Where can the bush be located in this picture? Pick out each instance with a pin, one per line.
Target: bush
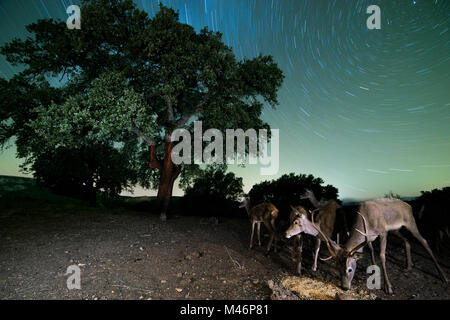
(434, 220)
(213, 192)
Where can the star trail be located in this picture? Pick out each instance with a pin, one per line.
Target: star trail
(366, 110)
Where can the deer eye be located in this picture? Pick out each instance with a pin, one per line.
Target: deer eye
(350, 269)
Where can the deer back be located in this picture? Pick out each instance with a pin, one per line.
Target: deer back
(264, 211)
(383, 215)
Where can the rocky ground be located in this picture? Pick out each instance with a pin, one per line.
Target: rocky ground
(124, 254)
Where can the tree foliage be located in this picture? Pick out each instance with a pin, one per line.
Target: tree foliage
(434, 220)
(82, 172)
(166, 74)
(392, 195)
(213, 192)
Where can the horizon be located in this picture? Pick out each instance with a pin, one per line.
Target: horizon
(365, 110)
(153, 193)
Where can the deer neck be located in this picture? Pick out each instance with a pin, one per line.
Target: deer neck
(314, 201)
(309, 229)
(247, 207)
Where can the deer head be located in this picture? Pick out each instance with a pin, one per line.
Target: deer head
(307, 195)
(300, 224)
(245, 203)
(345, 260)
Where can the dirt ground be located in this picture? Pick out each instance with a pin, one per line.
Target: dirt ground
(124, 254)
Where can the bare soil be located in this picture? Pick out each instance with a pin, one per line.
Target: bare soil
(125, 254)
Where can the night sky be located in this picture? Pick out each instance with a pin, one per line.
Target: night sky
(366, 110)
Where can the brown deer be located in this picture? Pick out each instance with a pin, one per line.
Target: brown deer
(265, 213)
(300, 223)
(329, 205)
(377, 217)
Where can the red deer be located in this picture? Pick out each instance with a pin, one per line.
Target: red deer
(265, 213)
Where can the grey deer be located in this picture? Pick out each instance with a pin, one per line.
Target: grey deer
(377, 217)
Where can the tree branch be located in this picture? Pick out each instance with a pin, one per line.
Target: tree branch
(184, 119)
(170, 114)
(154, 162)
(148, 140)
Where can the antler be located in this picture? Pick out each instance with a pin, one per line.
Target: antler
(355, 249)
(326, 259)
(312, 214)
(365, 226)
(330, 248)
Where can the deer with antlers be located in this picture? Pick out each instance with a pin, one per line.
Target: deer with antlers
(265, 213)
(331, 206)
(377, 217)
(301, 224)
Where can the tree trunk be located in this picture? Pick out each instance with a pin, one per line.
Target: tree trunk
(169, 173)
(164, 193)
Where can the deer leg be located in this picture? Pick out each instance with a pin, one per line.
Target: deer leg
(251, 237)
(259, 233)
(316, 253)
(415, 232)
(407, 249)
(272, 222)
(372, 253)
(272, 235)
(383, 242)
(298, 243)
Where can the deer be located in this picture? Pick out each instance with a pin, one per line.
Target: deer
(330, 205)
(312, 198)
(265, 213)
(296, 251)
(301, 224)
(377, 217)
